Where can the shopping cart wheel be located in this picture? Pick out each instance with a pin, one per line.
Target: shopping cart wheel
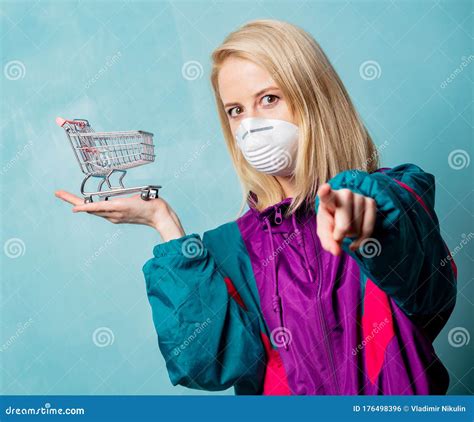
(153, 193)
(88, 200)
(149, 193)
(106, 198)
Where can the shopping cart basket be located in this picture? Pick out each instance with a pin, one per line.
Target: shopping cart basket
(101, 154)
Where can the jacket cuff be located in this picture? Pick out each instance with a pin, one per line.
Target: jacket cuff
(188, 246)
(373, 185)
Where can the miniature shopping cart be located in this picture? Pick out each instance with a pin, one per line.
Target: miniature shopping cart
(101, 154)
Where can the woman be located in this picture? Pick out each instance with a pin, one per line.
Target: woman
(331, 282)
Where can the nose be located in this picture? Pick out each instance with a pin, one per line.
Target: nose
(253, 110)
(254, 113)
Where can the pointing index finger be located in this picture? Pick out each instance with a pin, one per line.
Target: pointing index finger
(327, 196)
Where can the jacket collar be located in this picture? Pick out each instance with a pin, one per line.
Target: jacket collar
(274, 213)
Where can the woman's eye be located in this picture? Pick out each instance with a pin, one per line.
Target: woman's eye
(234, 111)
(269, 99)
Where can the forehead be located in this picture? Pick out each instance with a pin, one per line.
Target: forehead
(239, 79)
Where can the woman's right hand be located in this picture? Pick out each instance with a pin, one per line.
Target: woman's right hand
(155, 213)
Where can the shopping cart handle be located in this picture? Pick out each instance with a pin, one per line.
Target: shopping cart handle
(60, 121)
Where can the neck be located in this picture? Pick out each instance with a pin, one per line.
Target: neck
(288, 186)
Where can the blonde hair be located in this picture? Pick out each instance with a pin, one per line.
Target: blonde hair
(332, 136)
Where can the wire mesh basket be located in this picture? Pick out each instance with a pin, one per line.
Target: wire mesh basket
(101, 154)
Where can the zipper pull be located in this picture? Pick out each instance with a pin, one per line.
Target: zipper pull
(278, 217)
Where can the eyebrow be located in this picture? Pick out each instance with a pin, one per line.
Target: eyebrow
(268, 88)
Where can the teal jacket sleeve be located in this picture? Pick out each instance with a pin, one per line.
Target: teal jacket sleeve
(207, 339)
(406, 255)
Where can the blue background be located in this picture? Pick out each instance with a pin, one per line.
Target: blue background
(73, 274)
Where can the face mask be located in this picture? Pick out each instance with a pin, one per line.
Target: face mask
(269, 145)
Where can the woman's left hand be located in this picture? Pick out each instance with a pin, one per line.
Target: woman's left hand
(343, 213)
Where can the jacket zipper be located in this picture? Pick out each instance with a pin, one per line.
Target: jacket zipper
(322, 322)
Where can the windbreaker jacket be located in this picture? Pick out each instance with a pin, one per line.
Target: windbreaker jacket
(259, 305)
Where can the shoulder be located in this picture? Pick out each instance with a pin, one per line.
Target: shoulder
(230, 236)
(232, 230)
(225, 232)
(227, 248)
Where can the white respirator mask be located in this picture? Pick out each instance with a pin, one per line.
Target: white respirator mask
(269, 145)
